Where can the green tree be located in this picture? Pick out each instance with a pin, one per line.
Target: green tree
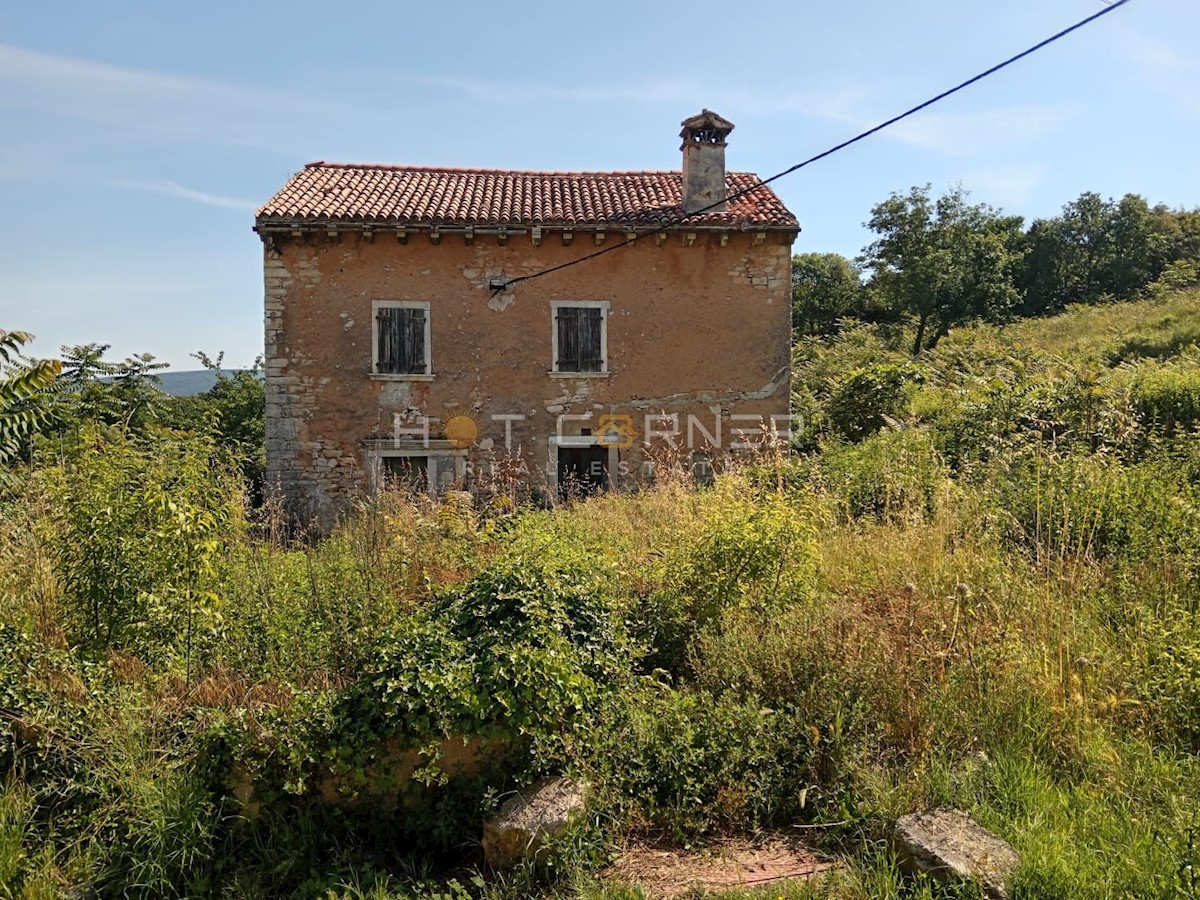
(1100, 249)
(24, 386)
(944, 262)
(826, 287)
(1185, 240)
(236, 404)
(1177, 234)
(127, 393)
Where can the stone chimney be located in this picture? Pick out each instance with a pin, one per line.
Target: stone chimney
(704, 161)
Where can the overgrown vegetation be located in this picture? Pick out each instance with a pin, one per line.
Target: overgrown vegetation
(941, 262)
(976, 582)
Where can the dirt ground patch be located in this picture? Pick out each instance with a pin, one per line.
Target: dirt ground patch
(662, 872)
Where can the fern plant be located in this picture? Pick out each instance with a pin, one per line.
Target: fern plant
(24, 385)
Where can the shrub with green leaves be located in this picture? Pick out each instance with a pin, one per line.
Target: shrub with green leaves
(868, 397)
(1170, 681)
(528, 644)
(685, 763)
(1092, 507)
(749, 547)
(25, 389)
(111, 792)
(523, 652)
(1180, 275)
(893, 475)
(1168, 399)
(139, 525)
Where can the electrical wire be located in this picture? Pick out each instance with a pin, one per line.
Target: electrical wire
(500, 287)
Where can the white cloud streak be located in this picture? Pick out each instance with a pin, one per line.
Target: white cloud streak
(965, 134)
(955, 134)
(1167, 70)
(145, 102)
(172, 106)
(504, 92)
(169, 188)
(1006, 186)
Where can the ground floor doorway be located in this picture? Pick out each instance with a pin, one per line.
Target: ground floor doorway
(582, 471)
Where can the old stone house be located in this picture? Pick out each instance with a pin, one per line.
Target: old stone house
(396, 344)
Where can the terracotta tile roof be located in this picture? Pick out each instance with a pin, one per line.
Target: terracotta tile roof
(420, 196)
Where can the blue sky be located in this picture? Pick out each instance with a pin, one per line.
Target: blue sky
(137, 138)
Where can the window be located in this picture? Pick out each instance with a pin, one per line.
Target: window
(420, 472)
(411, 472)
(581, 336)
(401, 338)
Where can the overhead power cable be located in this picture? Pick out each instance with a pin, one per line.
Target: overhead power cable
(500, 286)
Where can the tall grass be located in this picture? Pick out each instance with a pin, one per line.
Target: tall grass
(986, 596)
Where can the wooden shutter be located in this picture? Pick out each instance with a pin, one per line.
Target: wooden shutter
(579, 339)
(568, 339)
(591, 323)
(401, 348)
(413, 360)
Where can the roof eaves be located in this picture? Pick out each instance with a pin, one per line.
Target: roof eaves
(321, 222)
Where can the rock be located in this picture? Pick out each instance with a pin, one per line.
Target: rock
(384, 779)
(950, 845)
(526, 821)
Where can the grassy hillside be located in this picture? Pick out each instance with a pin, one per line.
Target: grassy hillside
(1115, 332)
(976, 584)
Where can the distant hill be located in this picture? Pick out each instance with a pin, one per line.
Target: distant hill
(188, 384)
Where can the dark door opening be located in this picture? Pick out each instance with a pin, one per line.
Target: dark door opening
(582, 471)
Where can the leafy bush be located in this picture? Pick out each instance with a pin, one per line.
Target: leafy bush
(1168, 399)
(1179, 275)
(893, 475)
(233, 411)
(113, 793)
(686, 763)
(748, 548)
(1092, 507)
(867, 398)
(25, 388)
(138, 527)
(529, 644)
(1171, 678)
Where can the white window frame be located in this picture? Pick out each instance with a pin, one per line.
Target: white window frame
(605, 307)
(377, 305)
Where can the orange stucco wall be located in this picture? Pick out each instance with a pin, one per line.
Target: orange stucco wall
(697, 328)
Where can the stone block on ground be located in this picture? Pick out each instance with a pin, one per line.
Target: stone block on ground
(532, 817)
(949, 844)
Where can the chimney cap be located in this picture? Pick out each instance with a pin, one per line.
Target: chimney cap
(706, 127)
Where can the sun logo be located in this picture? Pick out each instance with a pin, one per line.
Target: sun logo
(616, 431)
(461, 432)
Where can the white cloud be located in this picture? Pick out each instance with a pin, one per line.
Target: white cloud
(1008, 187)
(957, 134)
(1167, 70)
(170, 188)
(149, 102)
(142, 101)
(827, 103)
(529, 92)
